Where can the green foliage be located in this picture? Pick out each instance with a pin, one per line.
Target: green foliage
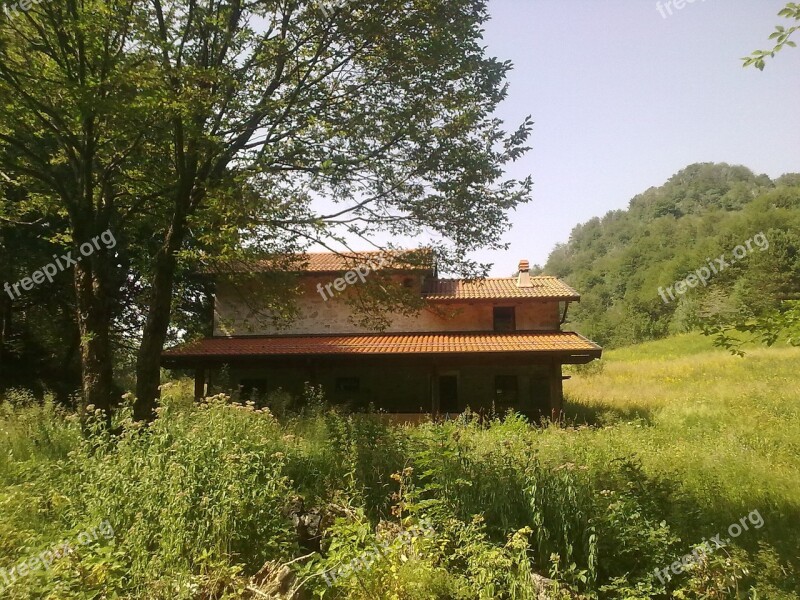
(781, 36)
(767, 329)
(38, 335)
(228, 132)
(719, 429)
(620, 262)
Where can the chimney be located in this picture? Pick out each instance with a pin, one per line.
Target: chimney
(524, 277)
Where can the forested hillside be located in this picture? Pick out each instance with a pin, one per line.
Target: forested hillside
(625, 263)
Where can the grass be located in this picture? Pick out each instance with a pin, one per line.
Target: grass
(725, 429)
(669, 443)
(708, 412)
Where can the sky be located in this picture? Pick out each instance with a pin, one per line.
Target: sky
(623, 98)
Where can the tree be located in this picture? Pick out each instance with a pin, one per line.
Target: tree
(234, 129)
(39, 338)
(627, 263)
(784, 321)
(383, 107)
(68, 124)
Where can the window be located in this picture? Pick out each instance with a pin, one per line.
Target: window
(348, 384)
(252, 388)
(506, 390)
(504, 319)
(408, 283)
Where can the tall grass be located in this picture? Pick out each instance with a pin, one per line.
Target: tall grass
(663, 453)
(725, 429)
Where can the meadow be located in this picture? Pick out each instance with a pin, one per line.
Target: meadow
(665, 445)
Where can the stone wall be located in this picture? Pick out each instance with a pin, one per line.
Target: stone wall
(235, 316)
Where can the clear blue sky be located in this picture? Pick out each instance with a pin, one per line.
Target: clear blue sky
(622, 98)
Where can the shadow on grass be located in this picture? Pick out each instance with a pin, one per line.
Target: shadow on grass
(603, 414)
(772, 548)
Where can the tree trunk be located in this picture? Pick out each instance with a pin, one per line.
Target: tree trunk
(148, 360)
(5, 326)
(94, 323)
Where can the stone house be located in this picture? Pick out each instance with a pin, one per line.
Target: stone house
(490, 343)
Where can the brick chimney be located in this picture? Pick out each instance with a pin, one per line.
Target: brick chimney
(524, 277)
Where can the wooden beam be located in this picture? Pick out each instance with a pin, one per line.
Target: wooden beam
(556, 392)
(199, 383)
(434, 389)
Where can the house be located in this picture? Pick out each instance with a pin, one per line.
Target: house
(474, 343)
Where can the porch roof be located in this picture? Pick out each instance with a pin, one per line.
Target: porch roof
(556, 343)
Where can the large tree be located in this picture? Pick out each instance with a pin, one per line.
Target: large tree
(384, 108)
(277, 124)
(68, 125)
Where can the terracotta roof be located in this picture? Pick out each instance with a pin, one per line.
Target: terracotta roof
(331, 262)
(385, 344)
(542, 286)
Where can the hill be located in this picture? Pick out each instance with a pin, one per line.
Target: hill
(714, 241)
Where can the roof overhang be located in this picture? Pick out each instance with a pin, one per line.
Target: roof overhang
(542, 288)
(500, 299)
(563, 346)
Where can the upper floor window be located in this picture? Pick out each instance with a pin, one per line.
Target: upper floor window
(504, 318)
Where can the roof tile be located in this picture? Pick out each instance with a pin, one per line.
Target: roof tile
(543, 286)
(329, 262)
(393, 343)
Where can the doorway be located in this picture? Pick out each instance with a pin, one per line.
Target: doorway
(448, 393)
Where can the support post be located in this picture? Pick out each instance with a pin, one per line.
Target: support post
(434, 391)
(199, 383)
(556, 392)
